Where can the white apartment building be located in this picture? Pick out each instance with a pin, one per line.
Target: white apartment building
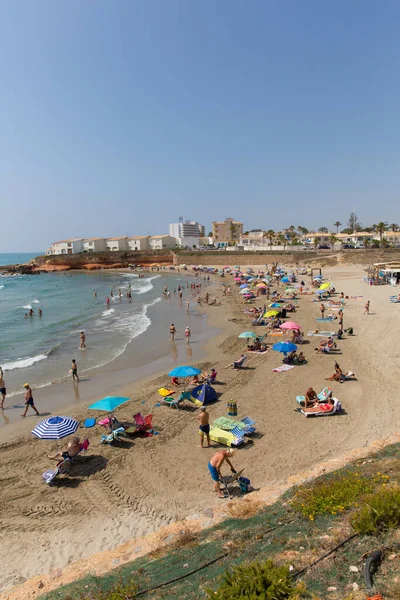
(186, 229)
(138, 242)
(188, 242)
(96, 244)
(159, 242)
(117, 244)
(72, 246)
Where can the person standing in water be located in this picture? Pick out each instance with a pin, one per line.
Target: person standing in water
(74, 370)
(172, 330)
(3, 390)
(82, 344)
(29, 400)
(95, 293)
(187, 334)
(40, 312)
(107, 301)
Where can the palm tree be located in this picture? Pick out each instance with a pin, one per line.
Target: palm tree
(316, 242)
(380, 228)
(337, 224)
(282, 240)
(394, 227)
(367, 243)
(333, 239)
(271, 235)
(323, 229)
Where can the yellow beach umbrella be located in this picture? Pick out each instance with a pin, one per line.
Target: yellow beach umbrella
(324, 286)
(261, 285)
(271, 313)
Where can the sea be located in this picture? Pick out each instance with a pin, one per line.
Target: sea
(39, 349)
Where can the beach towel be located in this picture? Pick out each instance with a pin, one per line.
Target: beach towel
(276, 333)
(283, 368)
(321, 333)
(164, 392)
(356, 297)
(90, 423)
(230, 424)
(225, 437)
(325, 319)
(258, 352)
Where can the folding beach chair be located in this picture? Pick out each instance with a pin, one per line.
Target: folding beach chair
(229, 480)
(168, 399)
(394, 299)
(143, 424)
(112, 437)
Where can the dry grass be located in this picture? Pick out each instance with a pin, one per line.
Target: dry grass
(245, 508)
(184, 534)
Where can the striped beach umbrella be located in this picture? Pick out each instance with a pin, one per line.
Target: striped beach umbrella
(55, 428)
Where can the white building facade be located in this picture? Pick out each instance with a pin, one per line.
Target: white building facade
(139, 242)
(186, 229)
(97, 244)
(117, 244)
(159, 242)
(73, 246)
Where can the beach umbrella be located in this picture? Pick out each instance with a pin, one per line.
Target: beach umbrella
(55, 428)
(237, 279)
(324, 286)
(184, 371)
(261, 285)
(245, 291)
(284, 347)
(244, 285)
(290, 325)
(109, 403)
(271, 313)
(247, 334)
(320, 292)
(275, 305)
(285, 279)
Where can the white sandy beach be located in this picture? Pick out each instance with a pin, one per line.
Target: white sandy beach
(125, 492)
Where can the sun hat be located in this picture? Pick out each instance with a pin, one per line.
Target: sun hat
(26, 384)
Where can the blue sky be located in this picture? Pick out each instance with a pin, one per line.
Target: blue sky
(118, 117)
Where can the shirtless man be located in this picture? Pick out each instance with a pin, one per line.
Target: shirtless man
(29, 400)
(311, 397)
(82, 344)
(74, 446)
(214, 466)
(172, 330)
(204, 428)
(74, 370)
(366, 308)
(3, 390)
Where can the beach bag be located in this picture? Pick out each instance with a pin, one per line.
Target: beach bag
(244, 484)
(232, 408)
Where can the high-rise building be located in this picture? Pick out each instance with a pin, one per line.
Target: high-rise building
(184, 229)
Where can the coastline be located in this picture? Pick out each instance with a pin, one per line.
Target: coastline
(298, 443)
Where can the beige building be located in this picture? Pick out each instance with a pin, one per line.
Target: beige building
(158, 242)
(227, 233)
(116, 244)
(96, 244)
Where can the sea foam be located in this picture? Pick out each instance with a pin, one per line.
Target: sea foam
(23, 362)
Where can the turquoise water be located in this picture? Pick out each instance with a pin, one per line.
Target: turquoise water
(18, 259)
(39, 349)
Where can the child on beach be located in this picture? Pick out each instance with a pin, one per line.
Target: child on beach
(74, 370)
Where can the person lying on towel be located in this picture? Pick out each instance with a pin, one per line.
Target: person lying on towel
(326, 407)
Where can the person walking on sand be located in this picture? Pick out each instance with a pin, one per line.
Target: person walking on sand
(82, 344)
(74, 370)
(322, 309)
(29, 400)
(172, 330)
(3, 390)
(366, 308)
(199, 301)
(187, 334)
(204, 428)
(214, 466)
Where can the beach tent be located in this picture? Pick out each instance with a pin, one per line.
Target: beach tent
(204, 394)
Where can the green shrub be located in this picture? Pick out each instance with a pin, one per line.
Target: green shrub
(380, 511)
(256, 580)
(332, 495)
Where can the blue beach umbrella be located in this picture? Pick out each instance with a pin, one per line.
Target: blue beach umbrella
(55, 428)
(184, 371)
(244, 285)
(284, 347)
(285, 279)
(109, 403)
(275, 305)
(246, 290)
(247, 334)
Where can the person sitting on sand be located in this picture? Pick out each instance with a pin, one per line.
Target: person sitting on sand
(214, 466)
(73, 448)
(195, 379)
(175, 381)
(337, 376)
(237, 364)
(301, 358)
(326, 407)
(311, 397)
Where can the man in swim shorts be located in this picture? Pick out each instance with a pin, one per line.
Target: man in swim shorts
(3, 390)
(204, 428)
(214, 466)
(73, 448)
(74, 370)
(29, 400)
